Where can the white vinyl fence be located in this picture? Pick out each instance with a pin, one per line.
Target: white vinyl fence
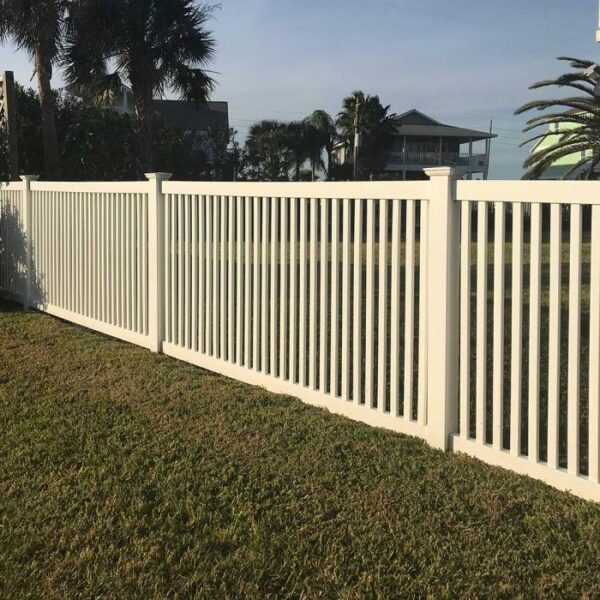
(466, 313)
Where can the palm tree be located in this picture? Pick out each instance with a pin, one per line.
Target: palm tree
(325, 126)
(577, 127)
(304, 143)
(267, 148)
(153, 44)
(37, 26)
(376, 127)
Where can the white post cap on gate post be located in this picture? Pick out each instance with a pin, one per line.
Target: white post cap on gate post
(29, 177)
(452, 172)
(159, 175)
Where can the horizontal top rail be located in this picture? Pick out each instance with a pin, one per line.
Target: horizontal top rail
(414, 190)
(107, 187)
(537, 192)
(11, 186)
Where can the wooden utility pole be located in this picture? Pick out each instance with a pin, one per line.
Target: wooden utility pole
(8, 117)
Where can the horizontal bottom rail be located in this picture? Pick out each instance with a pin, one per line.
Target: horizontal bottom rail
(337, 405)
(117, 332)
(559, 478)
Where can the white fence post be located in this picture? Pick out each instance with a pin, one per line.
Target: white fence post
(26, 218)
(443, 306)
(156, 259)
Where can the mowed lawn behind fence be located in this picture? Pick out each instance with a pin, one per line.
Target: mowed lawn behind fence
(126, 473)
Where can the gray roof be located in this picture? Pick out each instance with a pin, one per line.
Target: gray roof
(415, 123)
(191, 117)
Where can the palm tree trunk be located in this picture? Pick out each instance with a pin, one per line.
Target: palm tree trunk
(43, 69)
(144, 112)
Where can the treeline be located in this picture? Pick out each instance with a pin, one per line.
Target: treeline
(96, 144)
(303, 150)
(99, 45)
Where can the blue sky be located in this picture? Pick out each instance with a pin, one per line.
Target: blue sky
(463, 62)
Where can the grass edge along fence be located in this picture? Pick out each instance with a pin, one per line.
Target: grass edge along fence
(440, 309)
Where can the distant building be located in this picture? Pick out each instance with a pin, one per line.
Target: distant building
(421, 142)
(186, 116)
(565, 166)
(190, 117)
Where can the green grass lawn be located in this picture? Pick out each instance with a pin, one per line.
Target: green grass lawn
(128, 474)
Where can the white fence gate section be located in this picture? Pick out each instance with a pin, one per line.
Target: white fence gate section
(466, 313)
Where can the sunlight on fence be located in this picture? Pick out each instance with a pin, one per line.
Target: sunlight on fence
(466, 313)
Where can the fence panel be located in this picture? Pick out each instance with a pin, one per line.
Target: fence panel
(536, 409)
(89, 249)
(296, 286)
(357, 297)
(13, 242)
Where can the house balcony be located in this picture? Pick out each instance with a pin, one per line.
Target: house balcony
(434, 159)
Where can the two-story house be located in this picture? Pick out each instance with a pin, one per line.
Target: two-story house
(421, 142)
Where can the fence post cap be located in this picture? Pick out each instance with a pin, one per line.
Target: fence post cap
(453, 172)
(29, 177)
(160, 176)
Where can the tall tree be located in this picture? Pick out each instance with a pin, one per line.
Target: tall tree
(325, 126)
(576, 127)
(376, 127)
(304, 143)
(155, 45)
(37, 26)
(268, 153)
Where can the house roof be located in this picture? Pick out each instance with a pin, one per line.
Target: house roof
(191, 117)
(416, 123)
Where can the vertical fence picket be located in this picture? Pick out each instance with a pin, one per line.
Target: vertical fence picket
(216, 241)
(231, 281)
(516, 329)
(498, 354)
(481, 336)
(323, 305)
(334, 354)
(187, 255)
(369, 306)
(465, 317)
(554, 316)
(255, 332)
(313, 304)
(423, 319)
(345, 325)
(357, 367)
(292, 282)
(223, 282)
(534, 331)
(264, 289)
(302, 293)
(239, 294)
(283, 287)
(409, 309)
(382, 294)
(594, 353)
(396, 290)
(574, 342)
(248, 283)
(194, 275)
(274, 288)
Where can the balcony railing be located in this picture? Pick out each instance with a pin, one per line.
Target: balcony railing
(432, 159)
